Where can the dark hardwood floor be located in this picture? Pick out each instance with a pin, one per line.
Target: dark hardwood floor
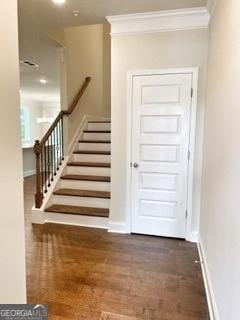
(82, 272)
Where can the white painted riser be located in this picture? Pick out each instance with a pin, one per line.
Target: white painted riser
(81, 201)
(94, 146)
(99, 126)
(77, 220)
(92, 171)
(83, 185)
(91, 158)
(97, 136)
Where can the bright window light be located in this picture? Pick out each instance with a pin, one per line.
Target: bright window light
(45, 120)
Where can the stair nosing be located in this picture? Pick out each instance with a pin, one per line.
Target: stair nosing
(94, 141)
(94, 152)
(88, 164)
(56, 193)
(93, 178)
(103, 121)
(104, 215)
(96, 131)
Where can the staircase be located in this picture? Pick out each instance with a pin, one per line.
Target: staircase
(84, 186)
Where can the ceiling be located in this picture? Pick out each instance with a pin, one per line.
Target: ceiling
(36, 17)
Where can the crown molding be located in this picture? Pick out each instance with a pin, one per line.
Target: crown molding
(211, 6)
(159, 21)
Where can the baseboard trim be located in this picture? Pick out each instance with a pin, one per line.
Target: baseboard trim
(79, 130)
(117, 227)
(29, 173)
(193, 237)
(212, 305)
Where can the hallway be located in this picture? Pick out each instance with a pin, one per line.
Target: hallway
(81, 272)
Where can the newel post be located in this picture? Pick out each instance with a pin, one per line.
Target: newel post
(39, 195)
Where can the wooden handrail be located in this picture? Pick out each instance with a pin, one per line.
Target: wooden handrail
(50, 150)
(78, 96)
(65, 112)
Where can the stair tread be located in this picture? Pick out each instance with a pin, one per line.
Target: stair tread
(82, 193)
(85, 177)
(90, 164)
(77, 210)
(92, 152)
(99, 121)
(97, 131)
(94, 141)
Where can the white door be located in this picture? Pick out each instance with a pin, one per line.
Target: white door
(161, 110)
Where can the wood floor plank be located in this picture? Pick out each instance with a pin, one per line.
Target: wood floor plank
(82, 272)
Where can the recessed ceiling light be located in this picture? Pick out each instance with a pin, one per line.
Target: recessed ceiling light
(43, 81)
(59, 1)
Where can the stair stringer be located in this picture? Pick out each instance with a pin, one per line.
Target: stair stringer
(40, 216)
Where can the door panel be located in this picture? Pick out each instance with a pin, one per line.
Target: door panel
(160, 140)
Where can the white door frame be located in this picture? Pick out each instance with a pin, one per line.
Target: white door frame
(130, 76)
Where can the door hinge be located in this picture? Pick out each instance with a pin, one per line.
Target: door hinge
(189, 155)
(186, 214)
(191, 92)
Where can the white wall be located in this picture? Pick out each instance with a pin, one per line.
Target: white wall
(85, 57)
(152, 51)
(87, 52)
(220, 213)
(12, 257)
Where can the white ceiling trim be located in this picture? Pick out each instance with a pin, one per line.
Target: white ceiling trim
(211, 6)
(159, 21)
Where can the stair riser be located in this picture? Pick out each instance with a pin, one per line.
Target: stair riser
(94, 146)
(97, 136)
(91, 158)
(77, 220)
(91, 171)
(84, 185)
(81, 201)
(99, 126)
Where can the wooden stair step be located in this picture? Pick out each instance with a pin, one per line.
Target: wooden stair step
(94, 141)
(90, 164)
(97, 131)
(99, 121)
(82, 193)
(92, 152)
(85, 178)
(77, 210)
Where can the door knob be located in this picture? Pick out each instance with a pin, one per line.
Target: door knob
(135, 165)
